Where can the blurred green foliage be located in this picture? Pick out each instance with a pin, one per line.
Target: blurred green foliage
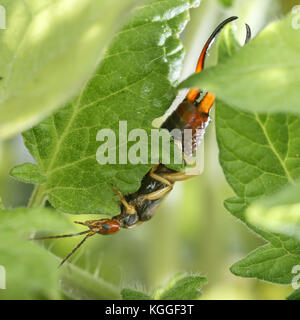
(279, 213)
(31, 272)
(47, 56)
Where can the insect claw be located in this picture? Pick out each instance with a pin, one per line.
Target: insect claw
(248, 35)
(193, 93)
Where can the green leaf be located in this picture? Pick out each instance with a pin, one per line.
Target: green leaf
(134, 83)
(295, 295)
(28, 172)
(268, 263)
(273, 262)
(279, 213)
(31, 272)
(263, 76)
(49, 49)
(131, 294)
(182, 287)
(259, 154)
(257, 162)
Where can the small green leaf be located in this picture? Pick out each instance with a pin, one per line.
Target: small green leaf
(48, 50)
(31, 272)
(181, 287)
(28, 172)
(131, 294)
(268, 263)
(279, 213)
(295, 295)
(135, 82)
(263, 76)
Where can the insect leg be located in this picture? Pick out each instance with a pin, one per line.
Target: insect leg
(177, 176)
(159, 177)
(161, 192)
(157, 194)
(129, 208)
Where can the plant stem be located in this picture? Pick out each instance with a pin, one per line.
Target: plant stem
(78, 284)
(38, 197)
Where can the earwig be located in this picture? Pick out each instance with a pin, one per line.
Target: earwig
(136, 208)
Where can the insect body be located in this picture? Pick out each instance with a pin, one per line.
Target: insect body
(136, 208)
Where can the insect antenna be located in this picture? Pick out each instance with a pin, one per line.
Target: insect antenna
(61, 236)
(87, 232)
(76, 248)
